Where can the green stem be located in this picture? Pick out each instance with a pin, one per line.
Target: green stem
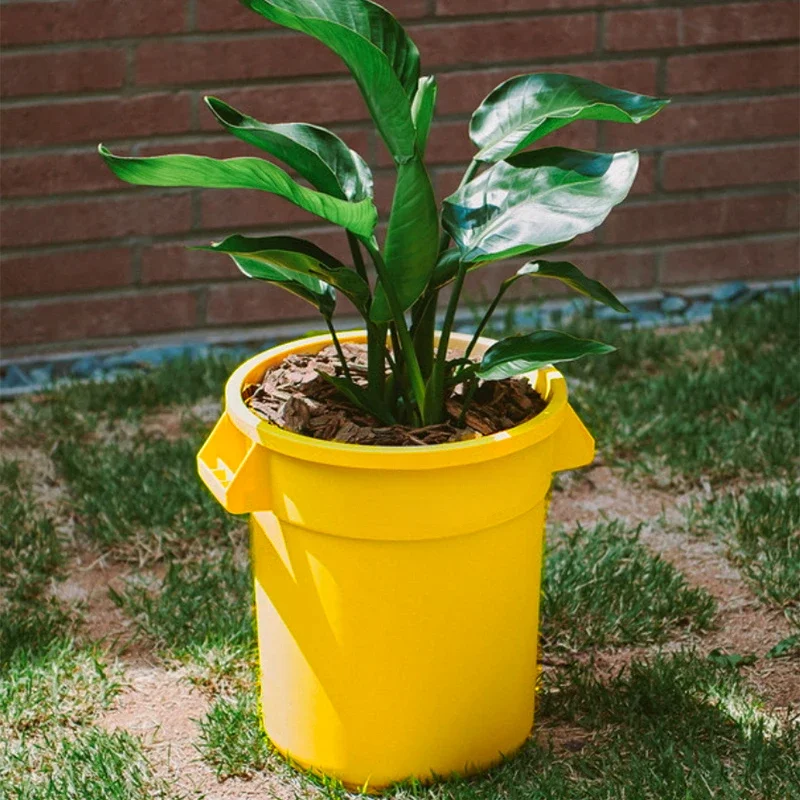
(358, 259)
(339, 350)
(487, 316)
(436, 383)
(414, 373)
(376, 357)
(423, 324)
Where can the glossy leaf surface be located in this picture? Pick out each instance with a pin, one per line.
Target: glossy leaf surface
(570, 275)
(422, 110)
(519, 354)
(377, 51)
(298, 256)
(312, 290)
(525, 108)
(320, 156)
(447, 265)
(241, 173)
(536, 199)
(412, 239)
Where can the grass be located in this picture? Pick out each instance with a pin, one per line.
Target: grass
(31, 557)
(231, 737)
(718, 402)
(168, 514)
(709, 405)
(761, 526)
(617, 591)
(675, 726)
(199, 606)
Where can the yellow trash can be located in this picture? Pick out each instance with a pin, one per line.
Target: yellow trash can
(396, 589)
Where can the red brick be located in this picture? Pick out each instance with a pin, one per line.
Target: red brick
(100, 218)
(48, 21)
(241, 208)
(496, 42)
(316, 102)
(645, 182)
(762, 68)
(771, 258)
(656, 29)
(625, 269)
(220, 60)
(246, 302)
(224, 16)
(687, 219)
(707, 169)
(97, 317)
(94, 120)
(50, 73)
(65, 271)
(448, 7)
(740, 22)
(62, 173)
(719, 121)
(462, 92)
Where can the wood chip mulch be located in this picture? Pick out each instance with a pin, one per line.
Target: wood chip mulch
(294, 397)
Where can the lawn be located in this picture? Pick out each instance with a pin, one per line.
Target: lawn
(671, 612)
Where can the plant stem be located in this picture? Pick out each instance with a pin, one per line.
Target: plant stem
(436, 383)
(415, 376)
(423, 323)
(358, 259)
(487, 316)
(376, 356)
(339, 350)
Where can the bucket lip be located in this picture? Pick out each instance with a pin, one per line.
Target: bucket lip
(307, 448)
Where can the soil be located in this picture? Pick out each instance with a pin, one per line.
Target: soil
(294, 397)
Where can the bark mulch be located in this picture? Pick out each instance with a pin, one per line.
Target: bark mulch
(294, 397)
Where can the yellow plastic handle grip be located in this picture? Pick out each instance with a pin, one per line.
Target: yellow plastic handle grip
(235, 469)
(573, 445)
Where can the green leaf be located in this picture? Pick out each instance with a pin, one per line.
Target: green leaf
(320, 156)
(520, 354)
(241, 173)
(785, 646)
(377, 51)
(447, 265)
(361, 398)
(314, 291)
(569, 274)
(525, 108)
(422, 108)
(536, 199)
(412, 239)
(733, 660)
(298, 256)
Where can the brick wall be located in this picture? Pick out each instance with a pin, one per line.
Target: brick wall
(88, 260)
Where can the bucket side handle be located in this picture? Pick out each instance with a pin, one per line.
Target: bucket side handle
(235, 469)
(573, 445)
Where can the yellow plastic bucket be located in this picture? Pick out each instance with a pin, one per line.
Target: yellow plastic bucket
(396, 589)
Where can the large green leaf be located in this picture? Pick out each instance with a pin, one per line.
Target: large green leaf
(422, 108)
(318, 293)
(377, 51)
(447, 265)
(570, 275)
(320, 156)
(536, 199)
(412, 239)
(525, 108)
(242, 173)
(520, 354)
(297, 256)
